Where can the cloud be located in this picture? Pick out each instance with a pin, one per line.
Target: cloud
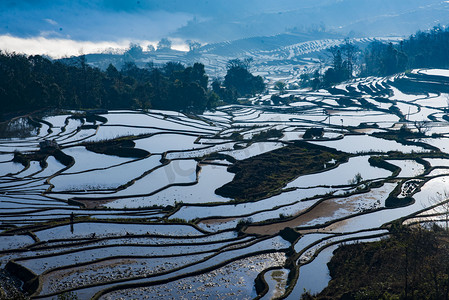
(58, 47)
(55, 48)
(59, 28)
(88, 20)
(115, 20)
(51, 22)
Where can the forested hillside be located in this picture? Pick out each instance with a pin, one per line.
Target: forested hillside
(35, 82)
(427, 49)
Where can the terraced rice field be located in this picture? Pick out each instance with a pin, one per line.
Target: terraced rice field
(135, 204)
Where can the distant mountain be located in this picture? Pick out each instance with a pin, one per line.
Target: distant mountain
(251, 45)
(356, 17)
(215, 55)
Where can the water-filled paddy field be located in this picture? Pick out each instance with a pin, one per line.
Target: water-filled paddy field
(159, 204)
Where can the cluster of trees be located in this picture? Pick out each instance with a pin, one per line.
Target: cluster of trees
(35, 82)
(422, 50)
(172, 86)
(410, 264)
(344, 63)
(136, 51)
(343, 60)
(238, 82)
(382, 59)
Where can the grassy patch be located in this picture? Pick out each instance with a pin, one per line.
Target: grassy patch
(263, 175)
(411, 264)
(402, 136)
(41, 156)
(121, 148)
(380, 162)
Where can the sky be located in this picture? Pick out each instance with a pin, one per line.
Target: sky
(61, 28)
(69, 27)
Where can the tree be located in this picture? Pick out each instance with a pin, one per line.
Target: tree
(196, 97)
(280, 86)
(197, 74)
(316, 81)
(337, 60)
(239, 64)
(213, 100)
(134, 50)
(150, 48)
(164, 44)
(216, 86)
(112, 71)
(357, 179)
(393, 61)
(343, 60)
(173, 69)
(239, 80)
(193, 46)
(150, 65)
(441, 201)
(422, 127)
(337, 73)
(350, 52)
